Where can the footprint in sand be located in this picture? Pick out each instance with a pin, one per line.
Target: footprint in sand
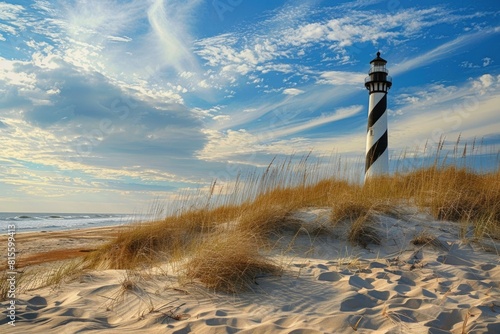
(464, 289)
(330, 276)
(359, 283)
(454, 260)
(357, 302)
(36, 303)
(379, 265)
(445, 321)
(381, 295)
(487, 267)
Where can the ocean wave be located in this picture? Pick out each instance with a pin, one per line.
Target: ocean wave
(57, 221)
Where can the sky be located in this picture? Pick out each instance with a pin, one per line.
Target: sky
(111, 105)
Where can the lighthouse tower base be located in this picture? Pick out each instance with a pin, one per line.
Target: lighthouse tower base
(379, 168)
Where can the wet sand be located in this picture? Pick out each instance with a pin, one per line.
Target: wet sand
(34, 248)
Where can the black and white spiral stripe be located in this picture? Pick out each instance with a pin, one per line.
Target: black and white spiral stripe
(377, 139)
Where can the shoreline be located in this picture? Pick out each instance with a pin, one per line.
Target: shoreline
(35, 248)
(60, 222)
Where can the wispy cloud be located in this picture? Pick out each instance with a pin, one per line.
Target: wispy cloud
(292, 91)
(283, 108)
(231, 144)
(11, 21)
(168, 22)
(139, 45)
(443, 50)
(439, 110)
(339, 114)
(337, 78)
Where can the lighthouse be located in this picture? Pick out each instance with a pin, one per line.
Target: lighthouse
(378, 84)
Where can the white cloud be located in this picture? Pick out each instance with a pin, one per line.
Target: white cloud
(468, 64)
(293, 91)
(283, 68)
(221, 118)
(12, 15)
(485, 84)
(429, 95)
(224, 144)
(10, 76)
(311, 32)
(338, 78)
(487, 61)
(9, 12)
(124, 39)
(7, 29)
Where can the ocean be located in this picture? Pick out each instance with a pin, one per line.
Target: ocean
(33, 222)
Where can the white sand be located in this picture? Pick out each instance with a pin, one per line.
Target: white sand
(333, 287)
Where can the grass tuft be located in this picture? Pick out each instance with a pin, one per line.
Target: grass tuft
(229, 263)
(362, 231)
(423, 239)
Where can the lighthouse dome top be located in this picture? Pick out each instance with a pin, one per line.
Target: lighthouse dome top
(378, 60)
(378, 79)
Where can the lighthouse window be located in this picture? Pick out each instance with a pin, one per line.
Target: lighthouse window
(371, 131)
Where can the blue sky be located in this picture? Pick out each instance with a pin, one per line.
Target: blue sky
(107, 105)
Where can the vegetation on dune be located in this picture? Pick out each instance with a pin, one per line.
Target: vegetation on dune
(223, 241)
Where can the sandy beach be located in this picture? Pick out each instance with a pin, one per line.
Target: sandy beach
(446, 284)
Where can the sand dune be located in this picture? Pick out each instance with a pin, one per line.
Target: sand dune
(448, 285)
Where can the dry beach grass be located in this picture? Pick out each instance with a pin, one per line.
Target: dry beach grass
(472, 200)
